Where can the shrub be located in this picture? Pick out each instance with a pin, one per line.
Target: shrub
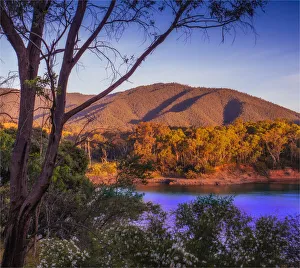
(261, 168)
(191, 174)
(220, 235)
(61, 253)
(150, 245)
(104, 169)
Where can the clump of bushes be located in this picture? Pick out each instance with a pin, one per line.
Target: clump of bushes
(104, 169)
(207, 232)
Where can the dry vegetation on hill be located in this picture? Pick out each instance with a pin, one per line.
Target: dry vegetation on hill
(172, 104)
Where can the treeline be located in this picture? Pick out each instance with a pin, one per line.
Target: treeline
(191, 152)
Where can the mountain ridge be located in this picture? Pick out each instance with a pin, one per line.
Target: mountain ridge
(172, 104)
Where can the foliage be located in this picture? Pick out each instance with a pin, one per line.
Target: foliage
(191, 174)
(191, 152)
(150, 245)
(6, 143)
(4, 206)
(70, 188)
(72, 163)
(199, 150)
(214, 230)
(61, 253)
(219, 234)
(131, 168)
(103, 169)
(207, 232)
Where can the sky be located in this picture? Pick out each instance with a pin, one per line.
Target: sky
(265, 65)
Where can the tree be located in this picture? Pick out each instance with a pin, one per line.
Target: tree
(275, 139)
(50, 31)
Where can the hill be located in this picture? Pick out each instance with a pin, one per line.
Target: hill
(172, 104)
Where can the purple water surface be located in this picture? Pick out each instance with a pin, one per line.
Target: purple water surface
(255, 199)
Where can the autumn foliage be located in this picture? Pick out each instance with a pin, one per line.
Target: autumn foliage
(191, 152)
(271, 144)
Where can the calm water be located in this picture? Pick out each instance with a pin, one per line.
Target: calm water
(255, 199)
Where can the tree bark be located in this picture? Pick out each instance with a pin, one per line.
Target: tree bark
(16, 243)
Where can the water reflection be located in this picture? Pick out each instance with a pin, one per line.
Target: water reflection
(255, 199)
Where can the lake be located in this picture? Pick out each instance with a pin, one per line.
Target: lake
(259, 199)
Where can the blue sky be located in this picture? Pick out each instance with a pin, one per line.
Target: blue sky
(267, 67)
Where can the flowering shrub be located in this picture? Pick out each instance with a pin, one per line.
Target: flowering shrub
(214, 230)
(134, 246)
(61, 253)
(122, 231)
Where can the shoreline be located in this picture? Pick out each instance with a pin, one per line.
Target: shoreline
(197, 182)
(226, 175)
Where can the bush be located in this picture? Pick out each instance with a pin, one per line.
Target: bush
(218, 234)
(191, 174)
(104, 169)
(122, 231)
(147, 245)
(61, 253)
(261, 168)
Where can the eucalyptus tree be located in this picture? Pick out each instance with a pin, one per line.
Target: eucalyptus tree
(55, 34)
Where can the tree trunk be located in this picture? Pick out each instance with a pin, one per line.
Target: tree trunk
(28, 63)
(16, 242)
(17, 229)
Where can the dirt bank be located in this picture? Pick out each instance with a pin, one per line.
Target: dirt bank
(222, 176)
(230, 175)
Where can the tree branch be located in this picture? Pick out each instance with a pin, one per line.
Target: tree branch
(71, 39)
(95, 33)
(11, 33)
(148, 51)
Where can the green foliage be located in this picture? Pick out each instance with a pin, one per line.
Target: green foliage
(271, 243)
(219, 234)
(122, 231)
(72, 164)
(61, 253)
(70, 188)
(82, 213)
(39, 84)
(132, 168)
(115, 226)
(147, 245)
(6, 144)
(214, 230)
(4, 205)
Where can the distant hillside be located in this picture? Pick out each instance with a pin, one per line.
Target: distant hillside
(172, 104)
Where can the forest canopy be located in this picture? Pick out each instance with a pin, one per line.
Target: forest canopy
(190, 152)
